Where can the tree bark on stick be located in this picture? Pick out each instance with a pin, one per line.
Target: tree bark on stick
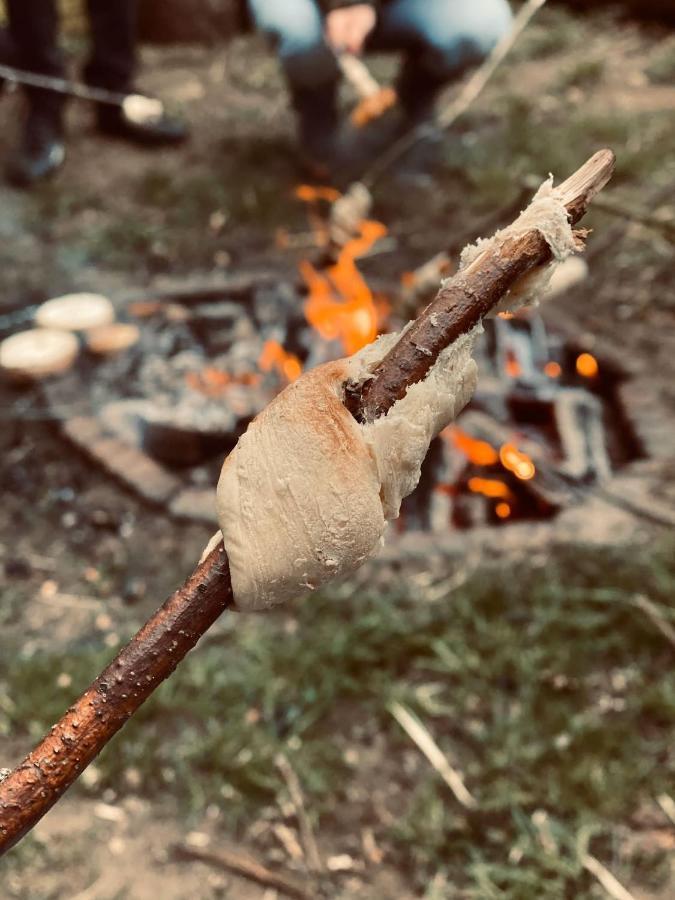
(31, 789)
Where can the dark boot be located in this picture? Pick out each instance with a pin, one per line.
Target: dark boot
(318, 128)
(151, 127)
(417, 91)
(41, 150)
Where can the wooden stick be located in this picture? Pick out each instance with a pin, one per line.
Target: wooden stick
(465, 299)
(29, 791)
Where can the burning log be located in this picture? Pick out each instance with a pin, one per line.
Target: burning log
(72, 743)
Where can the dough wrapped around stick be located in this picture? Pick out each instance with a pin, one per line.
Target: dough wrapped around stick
(305, 495)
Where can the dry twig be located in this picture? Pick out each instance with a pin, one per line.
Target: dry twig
(613, 887)
(653, 613)
(31, 789)
(306, 832)
(420, 735)
(245, 867)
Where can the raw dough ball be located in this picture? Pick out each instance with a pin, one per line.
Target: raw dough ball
(75, 312)
(38, 353)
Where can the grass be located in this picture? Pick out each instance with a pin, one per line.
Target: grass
(661, 68)
(545, 685)
(524, 142)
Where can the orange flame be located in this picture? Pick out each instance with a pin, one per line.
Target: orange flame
(552, 369)
(340, 305)
(274, 356)
(587, 365)
(212, 381)
(503, 510)
(312, 194)
(489, 487)
(517, 462)
(478, 452)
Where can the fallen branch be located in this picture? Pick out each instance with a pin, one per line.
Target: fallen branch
(31, 789)
(245, 867)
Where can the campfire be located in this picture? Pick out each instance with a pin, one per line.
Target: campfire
(539, 432)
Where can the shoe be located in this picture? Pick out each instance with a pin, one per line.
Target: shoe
(140, 120)
(41, 151)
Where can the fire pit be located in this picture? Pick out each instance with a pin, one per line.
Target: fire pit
(543, 429)
(546, 428)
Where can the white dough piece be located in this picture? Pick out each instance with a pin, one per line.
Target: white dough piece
(38, 352)
(75, 312)
(109, 339)
(305, 495)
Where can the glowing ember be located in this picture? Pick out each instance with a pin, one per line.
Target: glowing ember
(506, 315)
(587, 365)
(274, 356)
(479, 452)
(489, 487)
(552, 369)
(340, 305)
(516, 461)
(310, 193)
(503, 510)
(513, 369)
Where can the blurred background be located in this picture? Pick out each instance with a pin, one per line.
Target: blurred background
(521, 613)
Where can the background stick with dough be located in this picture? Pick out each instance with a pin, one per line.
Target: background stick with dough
(32, 788)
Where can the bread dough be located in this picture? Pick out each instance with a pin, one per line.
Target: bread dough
(305, 495)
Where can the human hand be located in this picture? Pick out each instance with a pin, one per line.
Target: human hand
(348, 28)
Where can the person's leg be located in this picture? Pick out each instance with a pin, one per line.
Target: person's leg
(312, 73)
(112, 63)
(296, 28)
(33, 26)
(442, 39)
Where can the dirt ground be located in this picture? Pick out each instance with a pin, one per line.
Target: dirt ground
(85, 562)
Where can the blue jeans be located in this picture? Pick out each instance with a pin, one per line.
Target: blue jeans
(442, 38)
